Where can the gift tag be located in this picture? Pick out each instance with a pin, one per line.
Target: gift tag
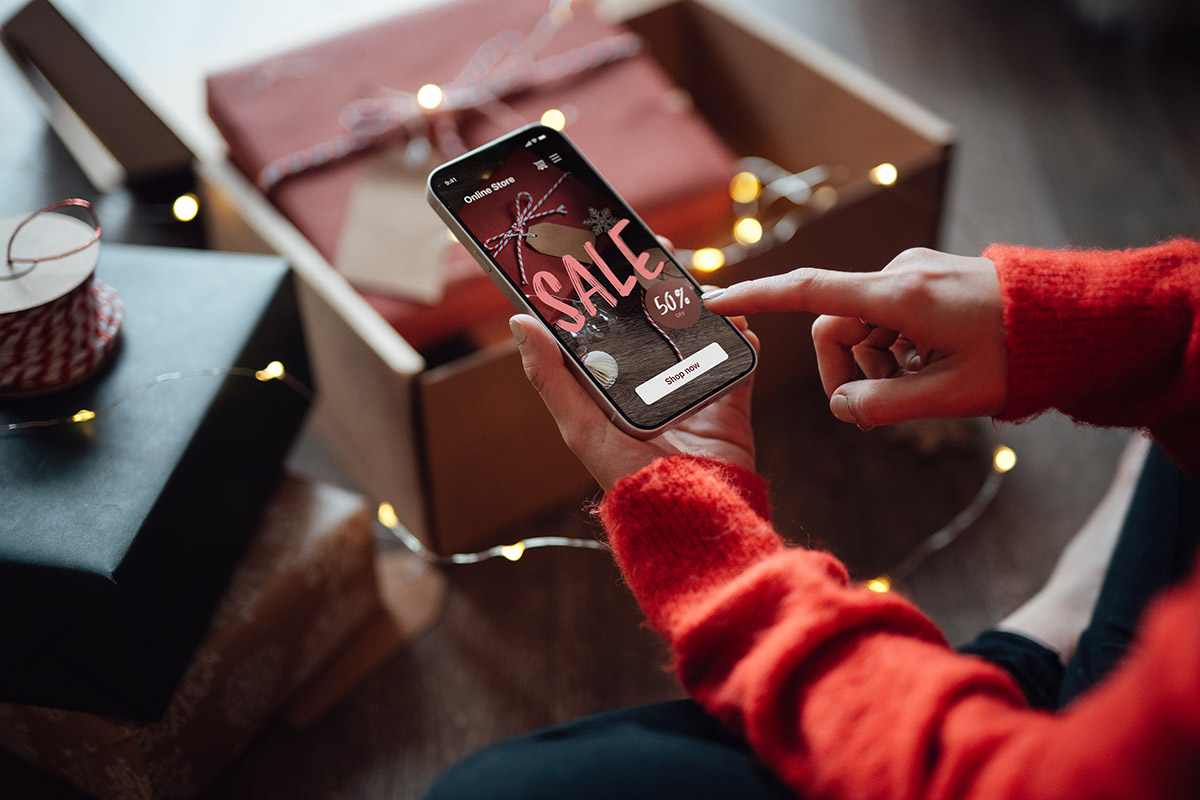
(392, 240)
(552, 239)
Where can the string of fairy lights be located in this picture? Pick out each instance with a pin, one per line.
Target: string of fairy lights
(1003, 460)
(271, 372)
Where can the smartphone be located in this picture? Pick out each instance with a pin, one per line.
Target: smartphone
(564, 247)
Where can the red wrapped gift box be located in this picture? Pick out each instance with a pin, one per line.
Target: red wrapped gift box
(626, 115)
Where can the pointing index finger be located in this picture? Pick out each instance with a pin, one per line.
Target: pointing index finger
(819, 291)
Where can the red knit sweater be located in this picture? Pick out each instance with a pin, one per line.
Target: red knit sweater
(851, 694)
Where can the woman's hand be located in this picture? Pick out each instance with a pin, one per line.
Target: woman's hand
(720, 430)
(926, 332)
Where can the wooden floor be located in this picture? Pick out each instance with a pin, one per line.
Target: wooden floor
(1066, 139)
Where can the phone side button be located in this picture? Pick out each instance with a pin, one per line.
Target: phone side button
(480, 257)
(485, 262)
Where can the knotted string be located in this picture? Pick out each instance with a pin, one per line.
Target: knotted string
(526, 211)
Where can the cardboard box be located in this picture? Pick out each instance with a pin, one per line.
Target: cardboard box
(465, 450)
(119, 534)
(307, 615)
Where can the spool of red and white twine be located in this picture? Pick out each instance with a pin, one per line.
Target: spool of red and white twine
(58, 323)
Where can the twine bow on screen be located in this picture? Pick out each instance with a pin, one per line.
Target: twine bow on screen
(525, 211)
(59, 325)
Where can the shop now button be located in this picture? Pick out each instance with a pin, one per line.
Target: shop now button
(687, 370)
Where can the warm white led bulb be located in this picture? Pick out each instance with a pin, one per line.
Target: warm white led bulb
(1004, 459)
(513, 551)
(708, 259)
(186, 207)
(430, 96)
(270, 372)
(747, 230)
(553, 118)
(387, 516)
(885, 174)
(745, 187)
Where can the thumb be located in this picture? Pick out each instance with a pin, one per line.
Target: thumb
(542, 361)
(914, 395)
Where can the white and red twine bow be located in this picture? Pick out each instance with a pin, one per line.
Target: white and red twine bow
(525, 211)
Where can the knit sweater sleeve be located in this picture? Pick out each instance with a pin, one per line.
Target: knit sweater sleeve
(1108, 337)
(846, 693)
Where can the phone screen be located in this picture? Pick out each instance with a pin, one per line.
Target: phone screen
(558, 236)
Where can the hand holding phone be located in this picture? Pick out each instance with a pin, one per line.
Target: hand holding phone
(568, 251)
(720, 430)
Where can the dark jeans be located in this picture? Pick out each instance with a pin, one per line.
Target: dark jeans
(1156, 548)
(675, 749)
(654, 752)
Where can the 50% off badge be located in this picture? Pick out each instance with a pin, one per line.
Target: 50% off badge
(673, 304)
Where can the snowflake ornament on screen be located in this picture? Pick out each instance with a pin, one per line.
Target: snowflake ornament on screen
(600, 221)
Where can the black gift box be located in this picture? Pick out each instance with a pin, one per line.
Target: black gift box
(118, 535)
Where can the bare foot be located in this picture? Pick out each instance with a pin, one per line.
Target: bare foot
(1061, 609)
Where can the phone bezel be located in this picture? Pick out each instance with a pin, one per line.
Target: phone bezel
(614, 412)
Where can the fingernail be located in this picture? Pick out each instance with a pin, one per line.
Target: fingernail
(518, 330)
(712, 294)
(840, 406)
